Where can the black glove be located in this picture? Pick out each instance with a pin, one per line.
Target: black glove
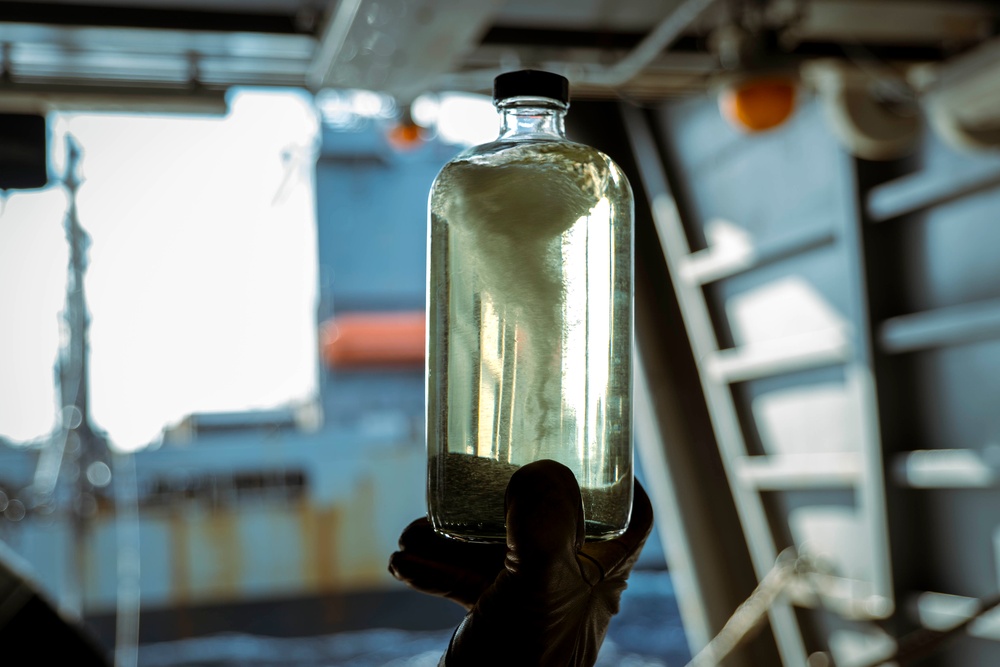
(544, 598)
(32, 631)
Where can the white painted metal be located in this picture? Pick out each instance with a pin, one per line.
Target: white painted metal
(397, 48)
(800, 471)
(947, 469)
(787, 355)
(942, 611)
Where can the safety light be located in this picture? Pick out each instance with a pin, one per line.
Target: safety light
(758, 104)
(406, 134)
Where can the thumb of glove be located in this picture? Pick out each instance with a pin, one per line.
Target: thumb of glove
(544, 512)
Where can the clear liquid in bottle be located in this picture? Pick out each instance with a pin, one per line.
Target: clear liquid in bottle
(529, 324)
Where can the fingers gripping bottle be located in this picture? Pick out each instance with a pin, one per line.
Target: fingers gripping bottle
(529, 315)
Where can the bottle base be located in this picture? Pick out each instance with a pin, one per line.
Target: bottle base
(494, 534)
(467, 500)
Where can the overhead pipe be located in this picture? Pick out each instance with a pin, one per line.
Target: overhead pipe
(961, 100)
(418, 42)
(609, 76)
(332, 42)
(666, 32)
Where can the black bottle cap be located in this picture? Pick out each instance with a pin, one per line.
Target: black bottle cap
(530, 83)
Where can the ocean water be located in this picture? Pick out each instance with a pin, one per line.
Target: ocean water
(646, 633)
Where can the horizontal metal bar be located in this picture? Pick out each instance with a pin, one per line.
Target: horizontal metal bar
(203, 18)
(44, 97)
(717, 263)
(30, 38)
(924, 189)
(942, 612)
(848, 598)
(785, 355)
(945, 469)
(785, 472)
(941, 327)
(109, 59)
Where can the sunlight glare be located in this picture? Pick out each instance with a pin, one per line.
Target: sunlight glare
(202, 279)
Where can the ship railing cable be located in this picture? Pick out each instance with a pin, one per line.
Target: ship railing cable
(925, 641)
(791, 569)
(746, 621)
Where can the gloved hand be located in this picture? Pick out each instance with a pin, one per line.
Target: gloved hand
(544, 598)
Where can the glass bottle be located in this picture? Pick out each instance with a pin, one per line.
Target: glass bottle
(529, 313)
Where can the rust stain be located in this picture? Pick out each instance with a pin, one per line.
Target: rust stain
(221, 536)
(306, 534)
(368, 566)
(328, 523)
(180, 570)
(320, 527)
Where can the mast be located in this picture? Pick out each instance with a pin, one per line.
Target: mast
(84, 455)
(73, 367)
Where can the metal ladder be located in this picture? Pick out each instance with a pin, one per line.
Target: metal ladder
(748, 474)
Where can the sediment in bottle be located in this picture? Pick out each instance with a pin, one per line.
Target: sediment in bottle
(475, 486)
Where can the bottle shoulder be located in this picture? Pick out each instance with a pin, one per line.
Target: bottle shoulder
(530, 148)
(546, 186)
(542, 156)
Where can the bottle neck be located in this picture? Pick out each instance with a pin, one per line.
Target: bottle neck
(532, 118)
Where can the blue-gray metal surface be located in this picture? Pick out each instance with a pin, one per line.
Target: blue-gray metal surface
(908, 275)
(794, 362)
(935, 282)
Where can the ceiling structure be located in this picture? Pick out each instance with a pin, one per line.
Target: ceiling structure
(186, 53)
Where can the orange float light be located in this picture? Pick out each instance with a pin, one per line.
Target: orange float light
(758, 104)
(362, 340)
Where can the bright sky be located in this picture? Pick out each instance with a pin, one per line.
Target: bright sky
(202, 277)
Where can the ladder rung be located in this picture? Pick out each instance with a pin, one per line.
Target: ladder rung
(942, 611)
(783, 472)
(785, 355)
(941, 327)
(716, 263)
(924, 189)
(850, 598)
(944, 469)
(719, 262)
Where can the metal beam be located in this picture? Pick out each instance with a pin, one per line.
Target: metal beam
(952, 325)
(924, 189)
